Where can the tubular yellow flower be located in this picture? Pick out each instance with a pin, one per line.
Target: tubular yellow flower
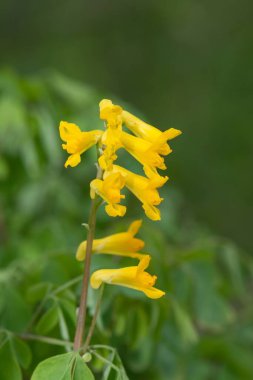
(109, 190)
(150, 133)
(143, 151)
(111, 138)
(146, 148)
(110, 113)
(77, 142)
(145, 189)
(122, 244)
(111, 143)
(133, 277)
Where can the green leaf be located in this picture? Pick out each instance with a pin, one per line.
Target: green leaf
(82, 371)
(114, 368)
(38, 291)
(48, 321)
(63, 328)
(55, 368)
(120, 324)
(122, 372)
(184, 323)
(224, 351)
(231, 259)
(141, 357)
(49, 136)
(4, 169)
(197, 370)
(14, 305)
(2, 298)
(70, 309)
(9, 368)
(22, 352)
(30, 156)
(68, 366)
(72, 91)
(139, 327)
(13, 123)
(212, 310)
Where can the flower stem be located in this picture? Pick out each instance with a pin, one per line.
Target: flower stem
(94, 319)
(45, 339)
(110, 364)
(81, 318)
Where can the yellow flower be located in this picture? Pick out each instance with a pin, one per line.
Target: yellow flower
(111, 138)
(122, 244)
(110, 113)
(133, 277)
(145, 189)
(143, 151)
(150, 133)
(110, 143)
(109, 190)
(77, 142)
(146, 148)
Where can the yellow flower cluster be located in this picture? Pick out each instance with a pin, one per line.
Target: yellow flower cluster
(147, 144)
(123, 244)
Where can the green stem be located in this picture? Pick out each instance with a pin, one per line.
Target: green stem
(94, 319)
(104, 360)
(102, 347)
(67, 285)
(46, 339)
(81, 318)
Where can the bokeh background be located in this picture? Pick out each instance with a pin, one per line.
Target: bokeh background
(186, 64)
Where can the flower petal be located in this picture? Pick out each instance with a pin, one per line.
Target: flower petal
(73, 160)
(115, 210)
(130, 277)
(134, 227)
(153, 293)
(68, 129)
(152, 212)
(77, 142)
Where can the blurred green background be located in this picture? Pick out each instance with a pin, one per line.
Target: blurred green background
(184, 64)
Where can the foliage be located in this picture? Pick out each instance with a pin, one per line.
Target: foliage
(200, 330)
(68, 366)
(186, 64)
